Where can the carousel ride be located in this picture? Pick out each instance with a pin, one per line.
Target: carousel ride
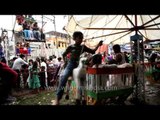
(117, 29)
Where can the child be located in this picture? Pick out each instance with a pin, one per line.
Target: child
(119, 57)
(29, 73)
(34, 82)
(75, 51)
(25, 74)
(42, 77)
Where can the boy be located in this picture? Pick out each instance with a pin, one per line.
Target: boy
(75, 51)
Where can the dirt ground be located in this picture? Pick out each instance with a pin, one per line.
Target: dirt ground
(152, 94)
(46, 97)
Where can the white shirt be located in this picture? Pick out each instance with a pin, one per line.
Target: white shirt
(18, 63)
(45, 65)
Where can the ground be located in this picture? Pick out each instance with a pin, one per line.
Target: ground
(153, 94)
(46, 97)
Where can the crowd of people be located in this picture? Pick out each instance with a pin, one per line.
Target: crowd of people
(34, 75)
(31, 29)
(43, 73)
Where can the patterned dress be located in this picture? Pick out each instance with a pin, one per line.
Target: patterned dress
(34, 81)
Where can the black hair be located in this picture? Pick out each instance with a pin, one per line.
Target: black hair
(14, 58)
(3, 59)
(43, 59)
(116, 48)
(31, 60)
(77, 34)
(97, 59)
(21, 55)
(35, 65)
(24, 66)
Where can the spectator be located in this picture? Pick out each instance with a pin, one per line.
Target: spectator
(76, 50)
(8, 80)
(17, 67)
(119, 57)
(36, 31)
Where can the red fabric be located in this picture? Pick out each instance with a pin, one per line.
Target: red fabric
(21, 50)
(103, 58)
(103, 48)
(20, 19)
(25, 51)
(7, 72)
(68, 55)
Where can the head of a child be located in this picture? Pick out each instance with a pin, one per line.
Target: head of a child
(116, 48)
(35, 64)
(42, 68)
(78, 37)
(22, 56)
(30, 61)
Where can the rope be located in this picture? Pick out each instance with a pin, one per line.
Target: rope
(143, 35)
(151, 20)
(89, 25)
(107, 35)
(143, 23)
(116, 24)
(129, 20)
(122, 36)
(153, 25)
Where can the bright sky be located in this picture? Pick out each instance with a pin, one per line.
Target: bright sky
(60, 22)
(7, 22)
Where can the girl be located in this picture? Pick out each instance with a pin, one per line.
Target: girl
(34, 82)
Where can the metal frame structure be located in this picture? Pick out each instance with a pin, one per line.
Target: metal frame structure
(138, 62)
(137, 39)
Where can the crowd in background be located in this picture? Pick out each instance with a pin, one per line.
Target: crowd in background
(34, 75)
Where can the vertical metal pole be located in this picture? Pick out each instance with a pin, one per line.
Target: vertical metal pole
(13, 38)
(5, 40)
(54, 22)
(139, 69)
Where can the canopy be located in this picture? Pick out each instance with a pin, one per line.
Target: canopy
(114, 28)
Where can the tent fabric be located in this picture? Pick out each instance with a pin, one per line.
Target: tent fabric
(114, 28)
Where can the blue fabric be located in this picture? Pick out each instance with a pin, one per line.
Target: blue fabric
(63, 80)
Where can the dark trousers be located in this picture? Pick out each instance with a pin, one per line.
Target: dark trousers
(18, 81)
(42, 79)
(5, 88)
(63, 79)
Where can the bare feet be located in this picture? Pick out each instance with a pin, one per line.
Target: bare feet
(54, 102)
(52, 80)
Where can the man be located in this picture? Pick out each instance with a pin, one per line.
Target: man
(17, 67)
